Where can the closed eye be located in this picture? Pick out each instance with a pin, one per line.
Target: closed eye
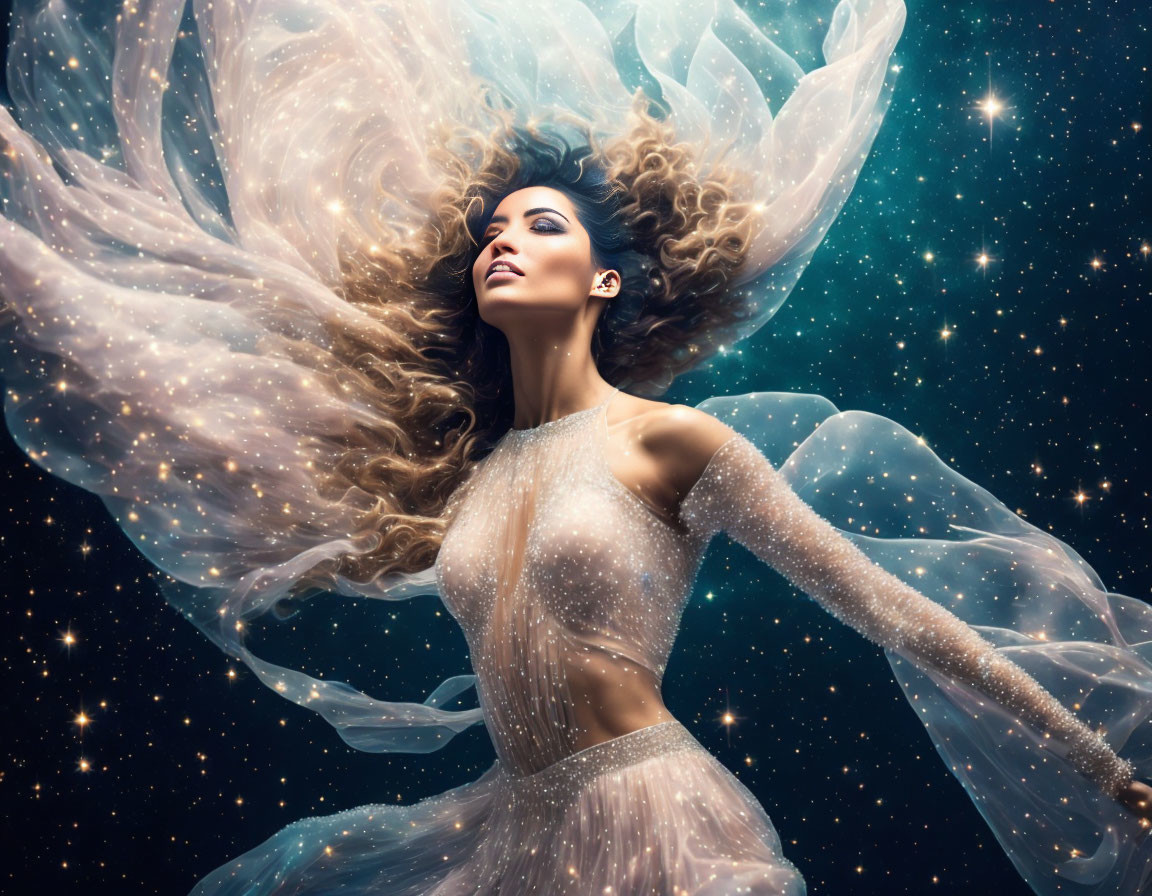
(549, 228)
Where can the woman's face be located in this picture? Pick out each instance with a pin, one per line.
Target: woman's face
(536, 233)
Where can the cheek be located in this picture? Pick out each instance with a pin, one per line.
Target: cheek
(567, 262)
(479, 266)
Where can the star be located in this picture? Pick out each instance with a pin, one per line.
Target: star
(991, 106)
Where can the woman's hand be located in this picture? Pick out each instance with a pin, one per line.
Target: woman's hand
(1136, 796)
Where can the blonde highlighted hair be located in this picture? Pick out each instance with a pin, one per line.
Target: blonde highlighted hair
(441, 375)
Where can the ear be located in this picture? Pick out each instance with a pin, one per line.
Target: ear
(606, 284)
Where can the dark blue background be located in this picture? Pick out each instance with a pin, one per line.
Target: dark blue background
(1040, 392)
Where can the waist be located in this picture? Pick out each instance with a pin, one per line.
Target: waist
(576, 769)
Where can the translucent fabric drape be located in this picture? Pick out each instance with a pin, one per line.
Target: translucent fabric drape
(1029, 594)
(178, 182)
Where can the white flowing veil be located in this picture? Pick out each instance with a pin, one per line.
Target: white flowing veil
(1028, 593)
(176, 197)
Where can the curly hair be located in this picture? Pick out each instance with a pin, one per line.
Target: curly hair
(443, 376)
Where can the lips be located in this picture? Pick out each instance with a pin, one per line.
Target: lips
(508, 264)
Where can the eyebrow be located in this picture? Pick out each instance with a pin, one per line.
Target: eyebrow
(500, 219)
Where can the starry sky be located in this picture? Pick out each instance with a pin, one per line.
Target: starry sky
(988, 286)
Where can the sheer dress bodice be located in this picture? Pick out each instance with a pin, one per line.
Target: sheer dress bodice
(569, 589)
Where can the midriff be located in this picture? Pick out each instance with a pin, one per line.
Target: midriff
(612, 696)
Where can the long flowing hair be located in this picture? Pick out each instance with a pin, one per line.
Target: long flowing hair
(442, 375)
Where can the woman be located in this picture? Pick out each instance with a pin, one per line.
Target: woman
(281, 391)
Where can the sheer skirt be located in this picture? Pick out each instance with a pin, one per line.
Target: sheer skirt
(650, 812)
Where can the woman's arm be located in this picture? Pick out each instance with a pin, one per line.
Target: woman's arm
(741, 493)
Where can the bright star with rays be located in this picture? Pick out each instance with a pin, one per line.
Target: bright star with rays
(991, 107)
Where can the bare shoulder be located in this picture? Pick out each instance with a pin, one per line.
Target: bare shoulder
(682, 440)
(658, 450)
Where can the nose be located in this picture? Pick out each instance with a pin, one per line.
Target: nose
(502, 243)
(499, 247)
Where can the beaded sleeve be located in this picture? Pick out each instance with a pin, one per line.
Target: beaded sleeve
(742, 494)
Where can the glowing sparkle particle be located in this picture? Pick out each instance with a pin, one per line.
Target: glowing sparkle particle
(928, 256)
(982, 259)
(728, 718)
(991, 106)
(82, 720)
(1097, 263)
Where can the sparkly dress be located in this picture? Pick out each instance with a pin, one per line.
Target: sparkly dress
(557, 572)
(180, 185)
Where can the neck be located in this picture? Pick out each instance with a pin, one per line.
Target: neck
(553, 374)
